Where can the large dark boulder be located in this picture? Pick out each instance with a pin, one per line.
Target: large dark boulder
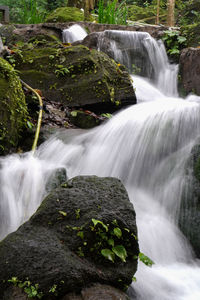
(189, 220)
(190, 70)
(59, 248)
(75, 76)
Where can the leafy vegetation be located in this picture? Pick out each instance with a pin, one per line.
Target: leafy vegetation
(109, 242)
(26, 11)
(112, 12)
(174, 42)
(32, 290)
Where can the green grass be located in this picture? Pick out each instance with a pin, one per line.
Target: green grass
(112, 13)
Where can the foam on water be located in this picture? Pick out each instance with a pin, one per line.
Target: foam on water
(73, 33)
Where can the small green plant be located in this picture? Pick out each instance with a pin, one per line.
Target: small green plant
(61, 70)
(112, 12)
(174, 42)
(145, 259)
(32, 290)
(53, 289)
(77, 211)
(106, 115)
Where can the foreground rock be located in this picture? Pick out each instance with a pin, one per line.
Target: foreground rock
(13, 111)
(97, 291)
(190, 70)
(75, 76)
(190, 207)
(60, 247)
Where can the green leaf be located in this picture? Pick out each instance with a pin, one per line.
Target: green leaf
(95, 222)
(134, 279)
(117, 231)
(111, 242)
(120, 251)
(108, 254)
(174, 51)
(29, 124)
(145, 259)
(181, 39)
(114, 222)
(80, 234)
(62, 213)
(73, 113)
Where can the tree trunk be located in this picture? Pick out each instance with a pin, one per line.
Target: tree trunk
(170, 13)
(158, 12)
(88, 7)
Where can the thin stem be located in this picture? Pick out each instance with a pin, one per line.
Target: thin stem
(39, 116)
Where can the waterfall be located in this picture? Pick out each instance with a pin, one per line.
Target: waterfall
(73, 33)
(139, 52)
(146, 146)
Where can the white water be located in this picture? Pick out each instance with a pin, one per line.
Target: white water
(73, 33)
(146, 146)
(140, 50)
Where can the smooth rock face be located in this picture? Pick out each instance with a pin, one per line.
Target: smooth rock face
(60, 245)
(190, 70)
(189, 220)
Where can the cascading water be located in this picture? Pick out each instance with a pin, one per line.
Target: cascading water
(73, 33)
(139, 52)
(146, 146)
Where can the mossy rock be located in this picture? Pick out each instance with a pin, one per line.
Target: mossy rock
(75, 76)
(13, 111)
(66, 14)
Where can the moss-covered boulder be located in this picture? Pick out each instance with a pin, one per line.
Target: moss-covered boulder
(13, 111)
(75, 76)
(66, 14)
(61, 247)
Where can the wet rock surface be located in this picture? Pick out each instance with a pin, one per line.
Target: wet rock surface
(190, 70)
(60, 246)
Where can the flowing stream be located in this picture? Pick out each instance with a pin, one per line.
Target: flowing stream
(146, 146)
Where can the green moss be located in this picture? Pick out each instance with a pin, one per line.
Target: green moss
(74, 75)
(13, 110)
(66, 14)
